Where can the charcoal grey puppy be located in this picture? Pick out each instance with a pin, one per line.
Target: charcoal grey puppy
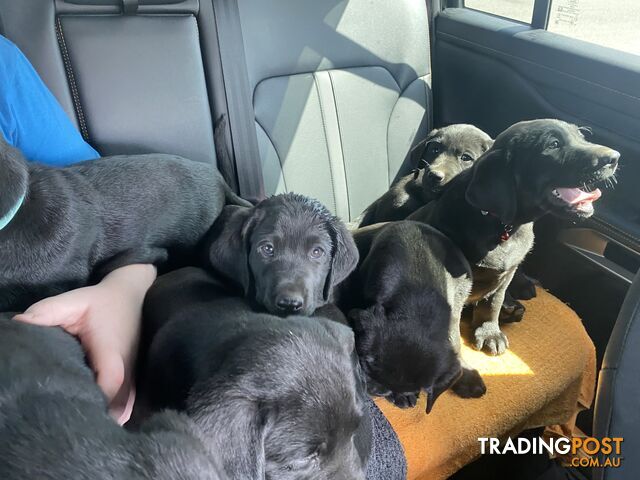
(409, 291)
(54, 421)
(287, 253)
(533, 167)
(447, 151)
(281, 397)
(62, 228)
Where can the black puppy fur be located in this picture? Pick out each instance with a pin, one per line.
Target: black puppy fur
(409, 290)
(78, 223)
(54, 421)
(287, 253)
(282, 397)
(489, 210)
(447, 152)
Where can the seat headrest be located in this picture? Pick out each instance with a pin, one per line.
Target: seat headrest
(130, 7)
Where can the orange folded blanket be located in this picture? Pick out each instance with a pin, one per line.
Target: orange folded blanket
(545, 378)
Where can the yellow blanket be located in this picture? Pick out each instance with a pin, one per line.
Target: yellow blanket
(545, 378)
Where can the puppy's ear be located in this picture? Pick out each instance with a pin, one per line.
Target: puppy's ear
(228, 243)
(359, 318)
(234, 430)
(421, 147)
(488, 143)
(444, 382)
(493, 186)
(364, 323)
(344, 256)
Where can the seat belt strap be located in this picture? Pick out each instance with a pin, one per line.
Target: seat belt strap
(239, 100)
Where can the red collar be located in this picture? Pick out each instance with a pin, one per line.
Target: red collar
(506, 228)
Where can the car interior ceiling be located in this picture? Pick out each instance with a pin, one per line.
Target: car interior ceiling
(339, 99)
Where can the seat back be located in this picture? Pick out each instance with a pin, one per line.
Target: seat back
(616, 410)
(341, 92)
(341, 88)
(130, 74)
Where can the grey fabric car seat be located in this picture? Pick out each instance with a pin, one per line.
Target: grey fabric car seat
(341, 92)
(617, 413)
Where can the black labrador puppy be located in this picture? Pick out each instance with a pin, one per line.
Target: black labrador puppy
(447, 152)
(409, 290)
(287, 253)
(63, 228)
(55, 422)
(282, 397)
(533, 167)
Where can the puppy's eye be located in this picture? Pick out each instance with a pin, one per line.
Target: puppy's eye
(466, 157)
(554, 144)
(435, 148)
(317, 252)
(267, 249)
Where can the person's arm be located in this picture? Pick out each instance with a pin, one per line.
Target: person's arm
(31, 119)
(106, 318)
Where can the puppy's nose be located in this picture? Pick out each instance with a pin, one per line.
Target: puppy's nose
(610, 157)
(436, 177)
(289, 303)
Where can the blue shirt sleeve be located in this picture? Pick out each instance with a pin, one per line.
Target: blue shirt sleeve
(31, 119)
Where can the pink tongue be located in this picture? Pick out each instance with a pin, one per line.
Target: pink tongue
(575, 195)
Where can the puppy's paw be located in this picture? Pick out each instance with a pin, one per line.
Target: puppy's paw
(404, 400)
(512, 311)
(523, 287)
(470, 384)
(488, 336)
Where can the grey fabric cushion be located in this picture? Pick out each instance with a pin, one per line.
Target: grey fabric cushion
(387, 460)
(341, 92)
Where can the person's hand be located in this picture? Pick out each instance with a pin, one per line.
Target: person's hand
(106, 319)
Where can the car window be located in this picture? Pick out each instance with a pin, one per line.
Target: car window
(613, 24)
(520, 10)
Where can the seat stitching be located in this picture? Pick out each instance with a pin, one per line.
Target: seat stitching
(427, 109)
(313, 72)
(284, 178)
(326, 140)
(387, 136)
(71, 79)
(335, 103)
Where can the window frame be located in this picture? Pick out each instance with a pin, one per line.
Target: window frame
(539, 18)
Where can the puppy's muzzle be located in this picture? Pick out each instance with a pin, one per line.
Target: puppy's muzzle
(435, 178)
(604, 157)
(289, 301)
(609, 159)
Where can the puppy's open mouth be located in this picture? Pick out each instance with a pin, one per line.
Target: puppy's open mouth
(577, 200)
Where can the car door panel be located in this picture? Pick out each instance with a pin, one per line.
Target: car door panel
(494, 72)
